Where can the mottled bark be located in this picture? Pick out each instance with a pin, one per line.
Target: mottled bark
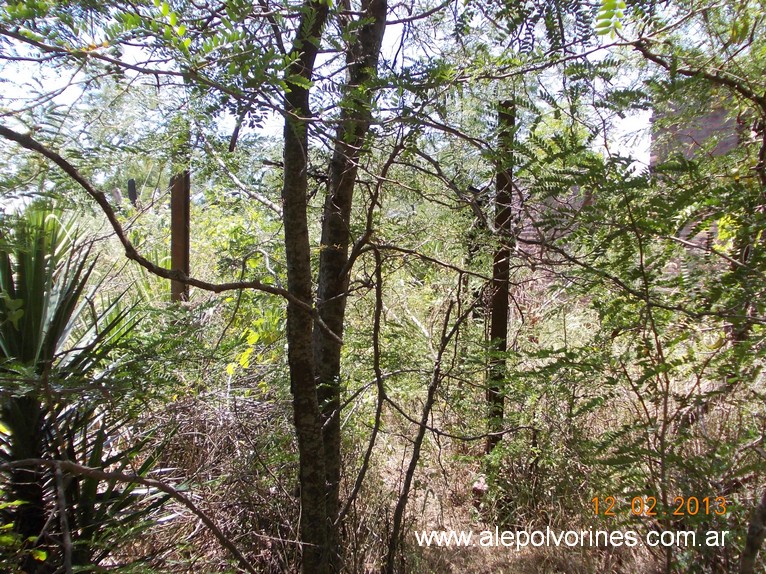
(333, 279)
(308, 426)
(498, 329)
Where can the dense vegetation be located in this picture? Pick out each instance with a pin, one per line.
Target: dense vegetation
(435, 284)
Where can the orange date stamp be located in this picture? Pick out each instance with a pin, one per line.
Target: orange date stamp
(650, 506)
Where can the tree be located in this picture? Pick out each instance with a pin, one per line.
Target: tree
(498, 330)
(588, 233)
(320, 508)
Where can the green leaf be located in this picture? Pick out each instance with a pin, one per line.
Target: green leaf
(299, 81)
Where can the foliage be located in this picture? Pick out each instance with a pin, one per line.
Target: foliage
(636, 338)
(61, 365)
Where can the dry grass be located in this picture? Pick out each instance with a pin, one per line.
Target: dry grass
(235, 458)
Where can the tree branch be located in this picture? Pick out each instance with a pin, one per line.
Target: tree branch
(94, 54)
(718, 77)
(27, 142)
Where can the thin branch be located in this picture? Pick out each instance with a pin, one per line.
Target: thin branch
(718, 77)
(262, 199)
(712, 250)
(274, 26)
(420, 16)
(95, 54)
(424, 257)
(593, 269)
(381, 389)
(461, 437)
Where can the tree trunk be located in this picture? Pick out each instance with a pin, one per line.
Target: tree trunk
(180, 189)
(314, 523)
(333, 279)
(498, 330)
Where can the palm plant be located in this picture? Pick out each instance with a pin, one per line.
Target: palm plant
(59, 359)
